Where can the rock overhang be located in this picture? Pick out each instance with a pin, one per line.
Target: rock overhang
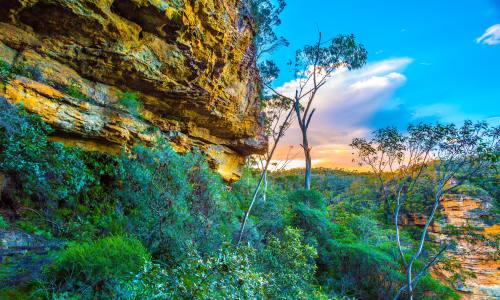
(192, 67)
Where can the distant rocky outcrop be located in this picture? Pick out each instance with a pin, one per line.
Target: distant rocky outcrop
(191, 65)
(477, 251)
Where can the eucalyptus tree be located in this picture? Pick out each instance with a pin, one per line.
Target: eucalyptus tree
(439, 158)
(314, 66)
(279, 109)
(266, 17)
(383, 154)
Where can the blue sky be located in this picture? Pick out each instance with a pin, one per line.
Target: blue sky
(425, 63)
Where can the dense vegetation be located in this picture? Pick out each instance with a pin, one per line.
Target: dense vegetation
(156, 224)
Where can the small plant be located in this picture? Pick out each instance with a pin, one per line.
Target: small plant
(3, 223)
(75, 90)
(5, 70)
(130, 101)
(30, 227)
(25, 70)
(20, 68)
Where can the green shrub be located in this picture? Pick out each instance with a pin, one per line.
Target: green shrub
(45, 170)
(75, 90)
(5, 70)
(366, 229)
(360, 270)
(30, 227)
(96, 269)
(16, 293)
(130, 101)
(172, 200)
(291, 266)
(471, 190)
(436, 290)
(3, 223)
(311, 198)
(25, 70)
(227, 274)
(97, 210)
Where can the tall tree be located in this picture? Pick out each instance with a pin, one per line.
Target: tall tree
(430, 157)
(314, 65)
(383, 154)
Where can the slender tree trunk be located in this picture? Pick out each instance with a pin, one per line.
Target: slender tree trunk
(308, 171)
(254, 197)
(264, 193)
(263, 175)
(408, 279)
(305, 145)
(387, 209)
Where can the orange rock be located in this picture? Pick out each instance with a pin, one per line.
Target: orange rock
(192, 67)
(477, 256)
(495, 229)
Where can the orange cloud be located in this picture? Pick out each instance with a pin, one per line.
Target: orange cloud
(344, 106)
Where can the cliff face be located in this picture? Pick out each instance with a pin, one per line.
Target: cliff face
(191, 65)
(476, 252)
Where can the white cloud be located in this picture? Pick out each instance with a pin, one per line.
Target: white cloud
(491, 36)
(344, 106)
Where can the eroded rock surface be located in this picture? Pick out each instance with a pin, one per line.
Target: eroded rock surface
(477, 251)
(192, 65)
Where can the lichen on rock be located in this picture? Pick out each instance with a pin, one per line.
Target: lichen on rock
(192, 65)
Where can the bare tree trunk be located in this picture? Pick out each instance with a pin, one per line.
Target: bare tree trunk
(254, 197)
(305, 142)
(408, 279)
(263, 174)
(264, 193)
(307, 154)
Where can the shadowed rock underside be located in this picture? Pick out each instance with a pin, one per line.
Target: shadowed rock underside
(191, 65)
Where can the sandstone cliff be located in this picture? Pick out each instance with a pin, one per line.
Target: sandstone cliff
(477, 248)
(190, 63)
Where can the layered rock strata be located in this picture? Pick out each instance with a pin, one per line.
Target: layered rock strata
(476, 235)
(107, 73)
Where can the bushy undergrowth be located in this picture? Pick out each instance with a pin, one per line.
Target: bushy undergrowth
(5, 70)
(96, 269)
(173, 200)
(226, 274)
(45, 170)
(155, 224)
